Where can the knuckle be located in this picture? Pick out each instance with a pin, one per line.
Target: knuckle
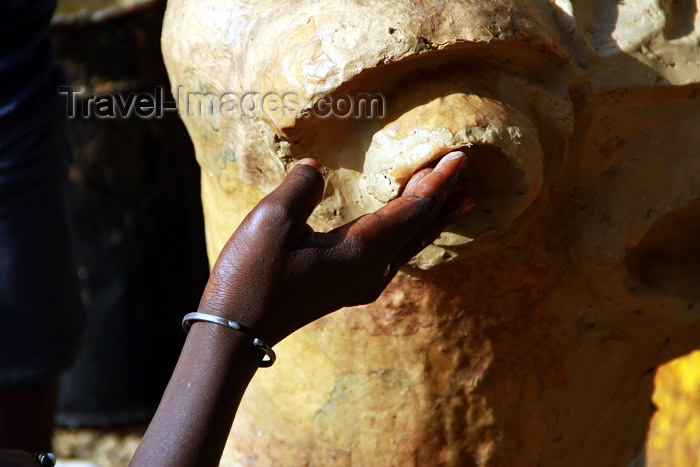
(424, 208)
(425, 202)
(272, 210)
(356, 246)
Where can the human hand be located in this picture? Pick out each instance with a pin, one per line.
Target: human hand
(275, 274)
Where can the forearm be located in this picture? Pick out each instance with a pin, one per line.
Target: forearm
(195, 415)
(274, 276)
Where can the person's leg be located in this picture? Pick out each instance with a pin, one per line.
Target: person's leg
(27, 417)
(39, 309)
(39, 306)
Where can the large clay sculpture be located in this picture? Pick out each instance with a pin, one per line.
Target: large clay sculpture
(529, 333)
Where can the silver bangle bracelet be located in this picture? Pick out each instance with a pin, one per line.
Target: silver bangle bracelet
(194, 317)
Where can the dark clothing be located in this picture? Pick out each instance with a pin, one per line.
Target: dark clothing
(39, 307)
(38, 299)
(29, 101)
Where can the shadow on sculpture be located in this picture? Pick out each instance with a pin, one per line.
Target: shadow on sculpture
(531, 340)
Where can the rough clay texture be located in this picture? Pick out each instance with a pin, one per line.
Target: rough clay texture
(529, 335)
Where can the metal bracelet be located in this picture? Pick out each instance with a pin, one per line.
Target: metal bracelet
(196, 316)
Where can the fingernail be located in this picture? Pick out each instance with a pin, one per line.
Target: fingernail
(455, 155)
(467, 205)
(312, 162)
(462, 208)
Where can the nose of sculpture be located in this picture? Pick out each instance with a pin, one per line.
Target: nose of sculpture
(428, 114)
(437, 88)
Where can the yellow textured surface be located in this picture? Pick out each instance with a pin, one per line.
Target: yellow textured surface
(674, 435)
(449, 114)
(300, 403)
(535, 345)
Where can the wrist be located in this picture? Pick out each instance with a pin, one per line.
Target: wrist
(248, 306)
(233, 303)
(195, 317)
(223, 346)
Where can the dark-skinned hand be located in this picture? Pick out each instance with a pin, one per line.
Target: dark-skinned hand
(275, 274)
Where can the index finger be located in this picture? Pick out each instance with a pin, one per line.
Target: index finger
(390, 228)
(443, 176)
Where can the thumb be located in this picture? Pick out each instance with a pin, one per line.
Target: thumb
(299, 193)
